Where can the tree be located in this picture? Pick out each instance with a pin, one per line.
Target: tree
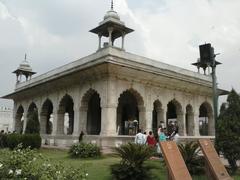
(33, 125)
(228, 130)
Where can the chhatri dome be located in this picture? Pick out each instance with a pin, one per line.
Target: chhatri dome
(24, 69)
(112, 28)
(25, 66)
(112, 14)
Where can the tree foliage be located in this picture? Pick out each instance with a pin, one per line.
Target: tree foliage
(33, 125)
(228, 130)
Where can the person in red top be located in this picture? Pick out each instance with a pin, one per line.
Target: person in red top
(151, 141)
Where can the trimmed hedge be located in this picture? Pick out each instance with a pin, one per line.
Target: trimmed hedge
(27, 140)
(3, 140)
(84, 150)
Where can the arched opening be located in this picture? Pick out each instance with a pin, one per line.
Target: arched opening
(128, 112)
(157, 116)
(66, 115)
(19, 119)
(189, 117)
(174, 117)
(46, 119)
(206, 123)
(33, 125)
(93, 113)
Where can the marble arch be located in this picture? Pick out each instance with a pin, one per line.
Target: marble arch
(45, 117)
(65, 119)
(19, 119)
(206, 119)
(130, 104)
(91, 104)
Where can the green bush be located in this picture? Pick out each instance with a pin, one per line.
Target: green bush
(190, 152)
(3, 140)
(228, 130)
(84, 150)
(28, 164)
(132, 159)
(33, 125)
(27, 140)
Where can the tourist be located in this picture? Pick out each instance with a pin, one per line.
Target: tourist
(159, 130)
(145, 136)
(162, 136)
(151, 141)
(140, 137)
(175, 136)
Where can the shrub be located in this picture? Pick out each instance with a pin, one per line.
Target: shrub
(190, 152)
(28, 164)
(33, 125)
(228, 130)
(132, 159)
(84, 150)
(3, 140)
(27, 140)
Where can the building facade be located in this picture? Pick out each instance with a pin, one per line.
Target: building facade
(6, 119)
(111, 93)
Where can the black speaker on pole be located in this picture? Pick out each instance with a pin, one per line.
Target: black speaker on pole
(206, 53)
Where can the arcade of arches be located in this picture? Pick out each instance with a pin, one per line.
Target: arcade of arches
(64, 118)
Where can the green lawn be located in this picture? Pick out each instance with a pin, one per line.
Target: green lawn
(99, 169)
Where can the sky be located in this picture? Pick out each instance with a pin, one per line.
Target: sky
(56, 32)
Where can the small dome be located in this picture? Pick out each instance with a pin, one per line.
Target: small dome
(111, 14)
(25, 66)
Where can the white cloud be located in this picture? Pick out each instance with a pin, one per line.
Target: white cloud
(56, 32)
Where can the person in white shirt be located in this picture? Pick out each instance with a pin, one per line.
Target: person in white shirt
(140, 137)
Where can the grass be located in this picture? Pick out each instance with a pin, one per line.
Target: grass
(99, 168)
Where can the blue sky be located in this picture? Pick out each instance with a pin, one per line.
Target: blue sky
(55, 32)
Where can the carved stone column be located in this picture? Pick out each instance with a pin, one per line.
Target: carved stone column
(83, 119)
(190, 124)
(108, 120)
(60, 122)
(54, 122)
(43, 122)
(142, 118)
(148, 119)
(24, 121)
(211, 125)
(76, 124)
(181, 123)
(196, 124)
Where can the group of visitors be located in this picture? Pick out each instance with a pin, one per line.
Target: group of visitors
(153, 140)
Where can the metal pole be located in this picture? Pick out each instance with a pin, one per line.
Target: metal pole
(215, 94)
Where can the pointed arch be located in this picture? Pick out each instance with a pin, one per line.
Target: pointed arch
(91, 102)
(129, 103)
(175, 117)
(19, 119)
(65, 115)
(46, 120)
(157, 115)
(206, 121)
(32, 125)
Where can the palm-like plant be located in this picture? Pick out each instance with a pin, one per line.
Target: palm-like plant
(132, 159)
(190, 152)
(134, 154)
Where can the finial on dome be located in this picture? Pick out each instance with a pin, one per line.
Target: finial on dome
(112, 5)
(25, 57)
